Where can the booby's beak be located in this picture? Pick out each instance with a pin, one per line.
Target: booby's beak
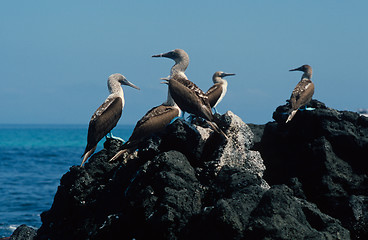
(167, 55)
(297, 69)
(126, 82)
(157, 55)
(227, 74)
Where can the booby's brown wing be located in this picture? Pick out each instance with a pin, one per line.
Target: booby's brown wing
(301, 94)
(190, 98)
(103, 121)
(214, 93)
(193, 87)
(154, 121)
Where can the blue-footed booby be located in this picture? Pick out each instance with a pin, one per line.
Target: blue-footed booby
(303, 92)
(107, 115)
(217, 92)
(154, 121)
(185, 93)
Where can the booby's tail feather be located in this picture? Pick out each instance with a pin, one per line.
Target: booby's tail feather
(129, 147)
(118, 155)
(87, 155)
(216, 128)
(292, 114)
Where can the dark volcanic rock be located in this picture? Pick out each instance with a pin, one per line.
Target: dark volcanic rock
(23, 232)
(327, 152)
(188, 182)
(280, 215)
(164, 195)
(226, 210)
(177, 176)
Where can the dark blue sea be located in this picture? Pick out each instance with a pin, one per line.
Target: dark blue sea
(33, 158)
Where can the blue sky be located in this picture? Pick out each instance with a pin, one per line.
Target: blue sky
(56, 56)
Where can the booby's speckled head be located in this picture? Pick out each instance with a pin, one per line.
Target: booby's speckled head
(217, 76)
(181, 59)
(116, 80)
(306, 69)
(176, 55)
(224, 74)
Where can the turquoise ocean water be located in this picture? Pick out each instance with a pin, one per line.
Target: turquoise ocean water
(32, 160)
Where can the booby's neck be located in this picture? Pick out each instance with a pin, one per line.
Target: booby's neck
(307, 75)
(115, 90)
(181, 64)
(114, 86)
(219, 80)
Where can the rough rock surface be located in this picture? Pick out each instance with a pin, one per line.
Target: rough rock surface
(23, 232)
(323, 156)
(188, 182)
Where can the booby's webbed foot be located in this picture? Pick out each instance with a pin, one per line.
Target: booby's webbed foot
(306, 108)
(190, 118)
(215, 110)
(179, 117)
(109, 135)
(174, 119)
